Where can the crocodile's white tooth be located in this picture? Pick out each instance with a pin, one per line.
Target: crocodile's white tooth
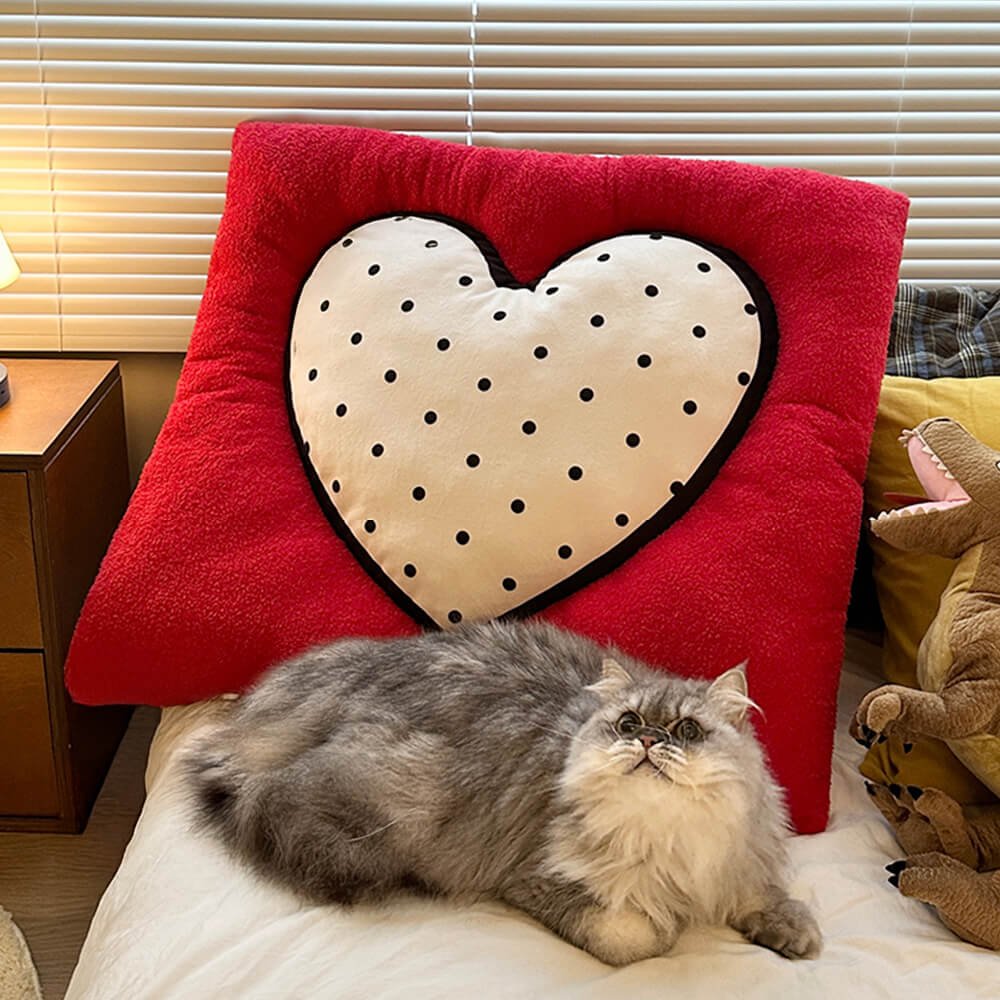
(949, 475)
(926, 449)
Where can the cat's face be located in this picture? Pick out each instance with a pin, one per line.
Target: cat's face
(682, 734)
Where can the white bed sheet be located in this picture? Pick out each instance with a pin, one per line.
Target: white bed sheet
(181, 921)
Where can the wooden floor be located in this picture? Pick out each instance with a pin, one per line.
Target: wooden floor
(51, 882)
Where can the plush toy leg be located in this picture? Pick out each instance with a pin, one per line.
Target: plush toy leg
(914, 833)
(968, 902)
(959, 710)
(926, 820)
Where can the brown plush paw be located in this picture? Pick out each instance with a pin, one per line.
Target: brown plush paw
(967, 901)
(878, 712)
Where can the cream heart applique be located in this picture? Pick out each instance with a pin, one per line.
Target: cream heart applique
(486, 447)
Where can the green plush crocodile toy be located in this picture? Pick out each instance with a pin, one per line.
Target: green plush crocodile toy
(954, 853)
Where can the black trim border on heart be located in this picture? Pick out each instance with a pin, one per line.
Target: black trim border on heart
(680, 500)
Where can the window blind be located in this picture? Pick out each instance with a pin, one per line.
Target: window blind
(116, 118)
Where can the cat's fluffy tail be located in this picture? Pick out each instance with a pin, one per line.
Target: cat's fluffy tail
(216, 779)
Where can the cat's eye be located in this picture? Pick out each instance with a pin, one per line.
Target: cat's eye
(689, 731)
(628, 723)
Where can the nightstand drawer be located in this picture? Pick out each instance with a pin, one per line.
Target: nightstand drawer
(20, 619)
(28, 776)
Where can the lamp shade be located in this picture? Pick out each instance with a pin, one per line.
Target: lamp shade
(8, 266)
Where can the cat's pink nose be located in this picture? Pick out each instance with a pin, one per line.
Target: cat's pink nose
(648, 741)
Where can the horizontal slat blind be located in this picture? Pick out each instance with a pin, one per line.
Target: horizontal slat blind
(116, 118)
(28, 308)
(139, 100)
(888, 91)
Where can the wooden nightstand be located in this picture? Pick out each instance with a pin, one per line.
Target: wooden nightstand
(63, 488)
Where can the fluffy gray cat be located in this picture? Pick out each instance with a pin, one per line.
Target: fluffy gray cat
(614, 803)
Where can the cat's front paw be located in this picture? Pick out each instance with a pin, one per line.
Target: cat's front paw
(787, 928)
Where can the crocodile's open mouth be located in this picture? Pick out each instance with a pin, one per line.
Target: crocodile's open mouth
(943, 490)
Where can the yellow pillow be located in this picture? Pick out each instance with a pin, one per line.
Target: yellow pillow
(909, 585)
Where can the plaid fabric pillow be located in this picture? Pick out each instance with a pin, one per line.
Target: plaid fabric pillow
(953, 331)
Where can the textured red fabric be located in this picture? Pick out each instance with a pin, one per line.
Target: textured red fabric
(224, 561)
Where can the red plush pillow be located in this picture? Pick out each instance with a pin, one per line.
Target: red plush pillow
(430, 382)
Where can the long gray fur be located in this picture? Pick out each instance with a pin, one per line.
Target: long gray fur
(484, 762)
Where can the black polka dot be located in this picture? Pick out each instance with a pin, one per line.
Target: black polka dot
(604, 256)
(454, 616)
(370, 526)
(529, 427)
(410, 570)
(462, 538)
(541, 352)
(324, 305)
(552, 290)
(418, 493)
(443, 344)
(621, 520)
(335, 486)
(705, 268)
(676, 486)
(390, 375)
(378, 450)
(743, 378)
(575, 472)
(312, 374)
(565, 552)
(632, 440)
(517, 506)
(597, 320)
(347, 242)
(652, 290)
(499, 315)
(656, 236)
(586, 394)
(644, 361)
(483, 385)
(430, 417)
(472, 460)
(431, 243)
(356, 337)
(374, 269)
(690, 406)
(750, 309)
(698, 331)
(341, 409)
(399, 218)
(509, 583)
(465, 280)
(406, 305)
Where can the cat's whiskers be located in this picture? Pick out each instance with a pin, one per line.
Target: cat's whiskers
(618, 757)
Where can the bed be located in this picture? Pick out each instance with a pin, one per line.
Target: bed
(379, 307)
(182, 921)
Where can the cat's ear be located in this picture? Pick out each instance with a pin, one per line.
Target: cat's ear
(729, 692)
(614, 677)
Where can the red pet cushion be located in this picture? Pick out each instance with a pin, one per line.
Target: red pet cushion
(432, 383)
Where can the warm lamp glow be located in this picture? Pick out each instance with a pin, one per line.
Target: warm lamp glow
(8, 266)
